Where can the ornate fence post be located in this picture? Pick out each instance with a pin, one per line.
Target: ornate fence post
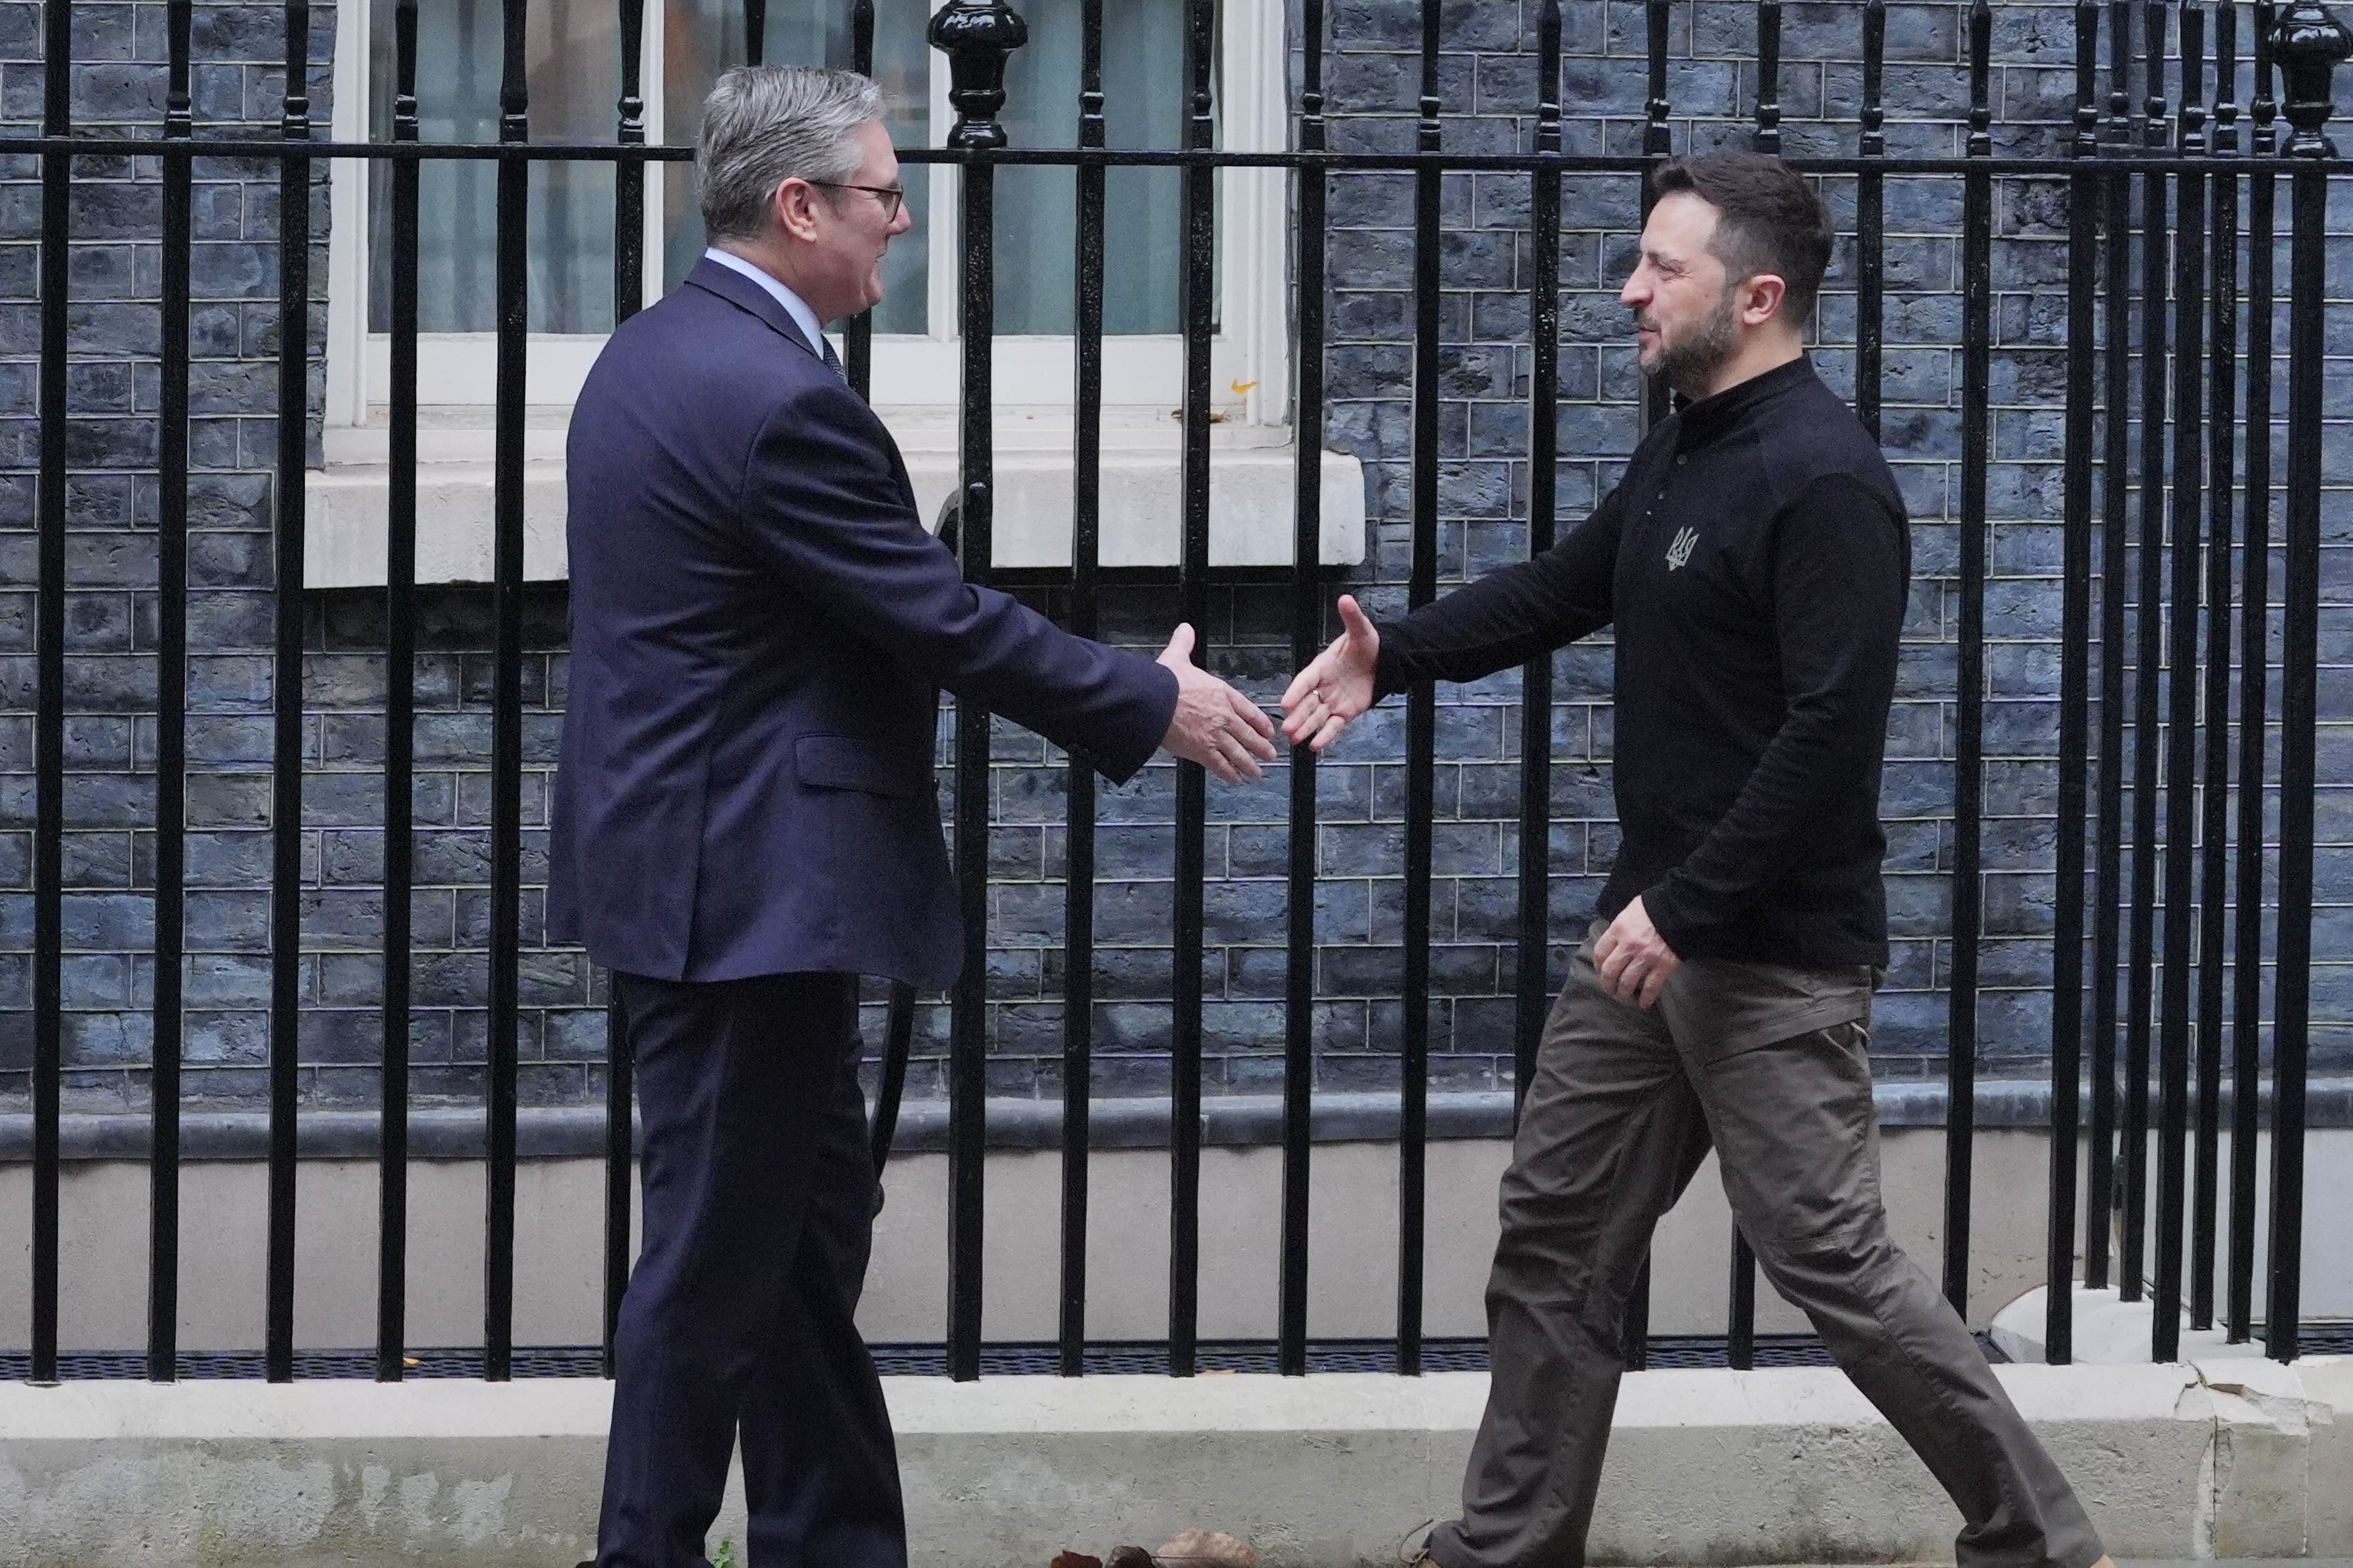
(2307, 43)
(977, 37)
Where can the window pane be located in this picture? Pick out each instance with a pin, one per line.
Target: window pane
(1037, 222)
(701, 37)
(575, 79)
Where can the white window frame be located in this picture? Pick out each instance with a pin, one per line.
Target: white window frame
(1251, 349)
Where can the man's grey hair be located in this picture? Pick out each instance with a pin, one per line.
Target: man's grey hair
(763, 125)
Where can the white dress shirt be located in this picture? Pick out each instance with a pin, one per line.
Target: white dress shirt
(793, 305)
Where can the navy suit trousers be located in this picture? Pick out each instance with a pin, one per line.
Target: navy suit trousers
(759, 1197)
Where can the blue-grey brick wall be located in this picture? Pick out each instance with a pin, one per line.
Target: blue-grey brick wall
(1487, 83)
(113, 394)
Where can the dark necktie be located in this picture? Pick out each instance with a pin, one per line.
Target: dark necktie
(832, 360)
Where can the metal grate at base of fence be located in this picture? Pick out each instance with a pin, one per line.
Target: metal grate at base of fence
(1147, 1358)
(1134, 1358)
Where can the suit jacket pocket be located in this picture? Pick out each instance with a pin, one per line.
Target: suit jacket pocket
(845, 761)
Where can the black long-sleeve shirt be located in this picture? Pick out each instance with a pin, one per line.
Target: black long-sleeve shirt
(1755, 562)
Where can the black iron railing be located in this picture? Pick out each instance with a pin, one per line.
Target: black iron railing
(2204, 510)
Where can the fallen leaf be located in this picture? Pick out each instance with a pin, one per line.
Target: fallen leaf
(1128, 1557)
(1068, 1558)
(1243, 388)
(1208, 1549)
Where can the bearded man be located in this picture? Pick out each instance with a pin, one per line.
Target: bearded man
(1754, 562)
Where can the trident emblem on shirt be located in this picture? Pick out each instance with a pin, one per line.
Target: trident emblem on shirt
(1680, 551)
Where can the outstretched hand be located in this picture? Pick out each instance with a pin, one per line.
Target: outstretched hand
(1337, 686)
(1214, 724)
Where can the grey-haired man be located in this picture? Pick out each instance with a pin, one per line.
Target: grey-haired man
(744, 820)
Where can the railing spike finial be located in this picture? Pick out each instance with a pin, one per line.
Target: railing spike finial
(2263, 108)
(179, 119)
(1657, 140)
(2308, 41)
(2154, 134)
(1980, 141)
(404, 127)
(629, 108)
(514, 79)
(2120, 63)
(977, 37)
(1311, 89)
(1767, 135)
(2191, 128)
(2087, 77)
(1548, 76)
(1201, 68)
(294, 112)
(2225, 136)
(1093, 129)
(1873, 141)
(1425, 128)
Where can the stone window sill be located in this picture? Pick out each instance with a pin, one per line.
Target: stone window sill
(1251, 484)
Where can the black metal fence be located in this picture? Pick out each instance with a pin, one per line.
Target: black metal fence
(2165, 180)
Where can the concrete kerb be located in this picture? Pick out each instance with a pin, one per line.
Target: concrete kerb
(2241, 1459)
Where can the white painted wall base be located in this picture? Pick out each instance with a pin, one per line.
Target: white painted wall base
(2107, 1330)
(1352, 1246)
(2242, 1459)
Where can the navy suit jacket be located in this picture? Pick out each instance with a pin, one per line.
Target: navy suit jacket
(760, 626)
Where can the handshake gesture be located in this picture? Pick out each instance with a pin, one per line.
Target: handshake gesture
(1223, 730)
(1214, 724)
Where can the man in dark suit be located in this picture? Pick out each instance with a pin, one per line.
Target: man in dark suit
(745, 819)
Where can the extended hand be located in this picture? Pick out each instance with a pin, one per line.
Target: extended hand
(1337, 686)
(1634, 958)
(1214, 724)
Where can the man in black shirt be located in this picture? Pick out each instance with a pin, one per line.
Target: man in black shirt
(1754, 562)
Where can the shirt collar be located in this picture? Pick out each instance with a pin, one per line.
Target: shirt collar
(1703, 421)
(795, 307)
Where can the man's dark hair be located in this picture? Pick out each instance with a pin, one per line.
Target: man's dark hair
(1770, 220)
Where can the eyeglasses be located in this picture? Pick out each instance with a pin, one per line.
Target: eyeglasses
(892, 196)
